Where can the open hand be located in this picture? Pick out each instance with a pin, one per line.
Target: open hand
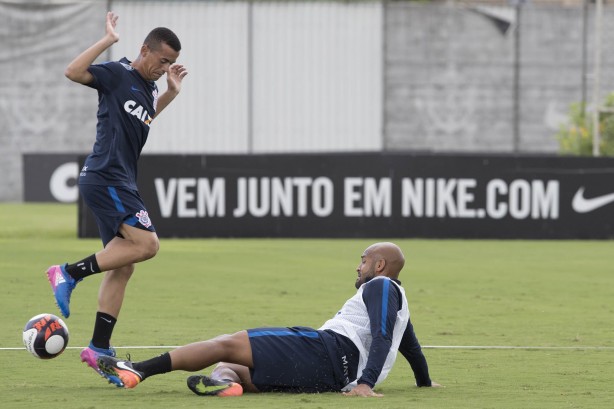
(174, 77)
(111, 24)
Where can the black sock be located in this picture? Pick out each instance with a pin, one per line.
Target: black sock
(103, 329)
(154, 366)
(83, 268)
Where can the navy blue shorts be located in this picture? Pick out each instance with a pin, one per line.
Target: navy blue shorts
(114, 206)
(297, 359)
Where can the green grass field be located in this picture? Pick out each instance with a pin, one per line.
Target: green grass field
(552, 299)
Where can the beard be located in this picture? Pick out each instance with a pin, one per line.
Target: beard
(364, 277)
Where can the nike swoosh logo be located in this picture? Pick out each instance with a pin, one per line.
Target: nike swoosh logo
(133, 88)
(103, 318)
(583, 205)
(122, 365)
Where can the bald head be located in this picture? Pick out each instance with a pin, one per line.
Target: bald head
(391, 255)
(380, 259)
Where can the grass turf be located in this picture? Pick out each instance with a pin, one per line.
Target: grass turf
(462, 293)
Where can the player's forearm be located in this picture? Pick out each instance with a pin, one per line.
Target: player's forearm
(412, 351)
(164, 100)
(380, 348)
(418, 364)
(77, 69)
(420, 368)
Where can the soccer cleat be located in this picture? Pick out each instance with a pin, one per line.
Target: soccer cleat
(90, 356)
(121, 370)
(62, 285)
(204, 386)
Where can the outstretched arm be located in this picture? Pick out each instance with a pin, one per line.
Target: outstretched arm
(77, 69)
(412, 351)
(174, 77)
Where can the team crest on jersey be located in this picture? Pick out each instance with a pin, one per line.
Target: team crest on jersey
(143, 218)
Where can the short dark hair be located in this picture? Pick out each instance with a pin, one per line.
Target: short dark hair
(162, 35)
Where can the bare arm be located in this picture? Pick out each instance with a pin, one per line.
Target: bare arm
(77, 69)
(174, 77)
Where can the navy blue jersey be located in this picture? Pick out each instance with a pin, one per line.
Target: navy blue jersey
(126, 107)
(376, 320)
(383, 302)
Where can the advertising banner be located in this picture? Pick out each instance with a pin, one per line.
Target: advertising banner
(376, 195)
(50, 178)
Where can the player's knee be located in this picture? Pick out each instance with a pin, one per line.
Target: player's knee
(235, 347)
(150, 247)
(226, 346)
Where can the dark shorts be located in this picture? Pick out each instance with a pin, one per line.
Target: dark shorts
(113, 206)
(297, 359)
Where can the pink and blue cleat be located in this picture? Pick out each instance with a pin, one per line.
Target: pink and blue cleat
(90, 356)
(62, 285)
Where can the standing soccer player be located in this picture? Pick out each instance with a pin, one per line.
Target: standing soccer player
(128, 101)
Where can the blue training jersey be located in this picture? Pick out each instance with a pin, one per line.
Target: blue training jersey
(126, 107)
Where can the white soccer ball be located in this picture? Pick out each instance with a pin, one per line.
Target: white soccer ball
(45, 336)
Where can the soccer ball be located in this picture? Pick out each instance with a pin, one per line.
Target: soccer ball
(45, 336)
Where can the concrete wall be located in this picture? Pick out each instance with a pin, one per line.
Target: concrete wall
(449, 75)
(40, 111)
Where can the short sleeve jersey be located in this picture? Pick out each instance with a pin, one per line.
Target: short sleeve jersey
(126, 107)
